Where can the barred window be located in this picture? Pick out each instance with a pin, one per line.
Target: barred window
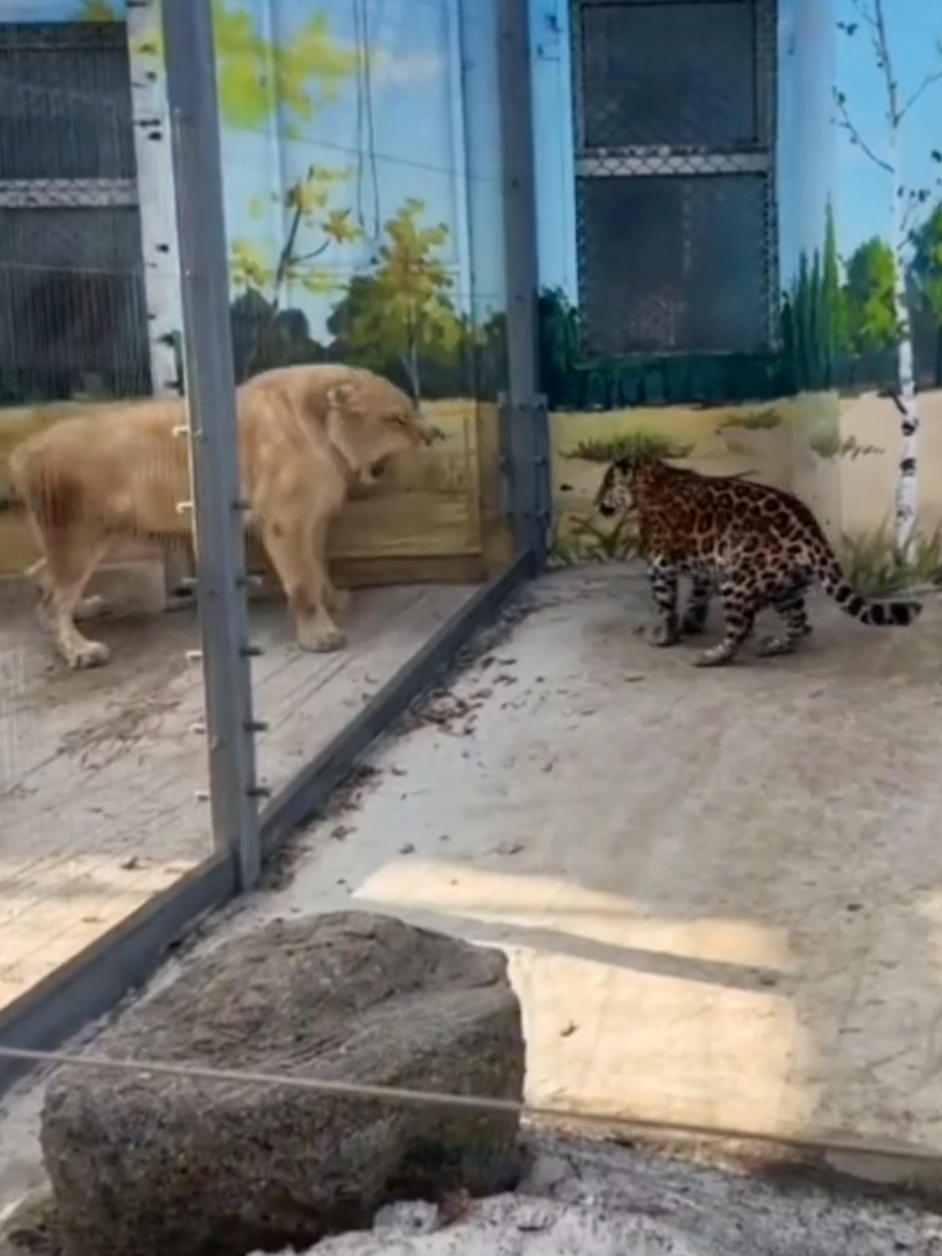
(72, 299)
(674, 116)
(65, 101)
(72, 294)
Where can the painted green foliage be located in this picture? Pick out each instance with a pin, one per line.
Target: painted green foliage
(571, 382)
(97, 11)
(837, 325)
(399, 315)
(926, 273)
(840, 333)
(838, 329)
(871, 320)
(401, 311)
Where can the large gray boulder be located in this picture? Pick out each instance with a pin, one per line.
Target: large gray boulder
(147, 1165)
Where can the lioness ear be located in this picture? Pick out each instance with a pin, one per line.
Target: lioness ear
(340, 396)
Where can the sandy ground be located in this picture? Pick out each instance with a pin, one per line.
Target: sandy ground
(720, 894)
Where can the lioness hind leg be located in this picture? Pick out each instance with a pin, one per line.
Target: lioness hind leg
(296, 555)
(86, 608)
(337, 599)
(69, 564)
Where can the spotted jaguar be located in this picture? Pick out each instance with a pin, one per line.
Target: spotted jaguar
(753, 545)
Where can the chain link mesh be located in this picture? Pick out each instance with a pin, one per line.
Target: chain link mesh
(675, 191)
(73, 312)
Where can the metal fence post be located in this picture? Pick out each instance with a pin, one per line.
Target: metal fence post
(525, 425)
(210, 387)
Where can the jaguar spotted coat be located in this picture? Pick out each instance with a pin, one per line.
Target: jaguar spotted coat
(753, 545)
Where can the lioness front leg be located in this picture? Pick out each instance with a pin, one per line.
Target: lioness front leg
(297, 558)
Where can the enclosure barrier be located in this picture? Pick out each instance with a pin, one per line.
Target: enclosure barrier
(245, 824)
(588, 1117)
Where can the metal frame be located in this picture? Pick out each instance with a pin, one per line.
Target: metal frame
(68, 194)
(209, 373)
(128, 955)
(524, 418)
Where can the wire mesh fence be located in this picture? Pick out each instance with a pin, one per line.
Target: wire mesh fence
(105, 723)
(102, 769)
(674, 109)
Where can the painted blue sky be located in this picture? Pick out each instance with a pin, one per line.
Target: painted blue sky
(430, 130)
(915, 32)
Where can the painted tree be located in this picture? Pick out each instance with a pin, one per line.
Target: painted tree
(870, 297)
(926, 265)
(813, 317)
(282, 89)
(264, 86)
(150, 117)
(905, 205)
(831, 294)
(97, 11)
(926, 280)
(402, 311)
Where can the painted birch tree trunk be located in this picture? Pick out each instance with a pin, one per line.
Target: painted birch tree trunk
(907, 484)
(160, 247)
(870, 16)
(156, 197)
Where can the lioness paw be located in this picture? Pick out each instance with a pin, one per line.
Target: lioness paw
(90, 654)
(321, 640)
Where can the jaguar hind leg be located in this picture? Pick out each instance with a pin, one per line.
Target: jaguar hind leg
(697, 610)
(740, 605)
(789, 603)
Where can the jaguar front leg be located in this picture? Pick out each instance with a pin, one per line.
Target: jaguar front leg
(694, 619)
(663, 577)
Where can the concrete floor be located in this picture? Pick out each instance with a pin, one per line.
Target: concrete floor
(721, 891)
(101, 772)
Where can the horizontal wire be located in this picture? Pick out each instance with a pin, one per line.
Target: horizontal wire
(579, 1115)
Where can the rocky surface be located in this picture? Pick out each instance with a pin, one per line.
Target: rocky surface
(582, 1198)
(586, 1198)
(146, 1165)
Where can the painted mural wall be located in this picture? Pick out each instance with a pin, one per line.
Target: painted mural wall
(363, 216)
(843, 400)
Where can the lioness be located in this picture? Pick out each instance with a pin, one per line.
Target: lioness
(306, 433)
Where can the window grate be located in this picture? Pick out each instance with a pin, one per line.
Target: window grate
(674, 116)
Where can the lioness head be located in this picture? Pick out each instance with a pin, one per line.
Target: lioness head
(370, 420)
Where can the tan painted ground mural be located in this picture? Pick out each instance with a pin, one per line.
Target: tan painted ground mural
(838, 454)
